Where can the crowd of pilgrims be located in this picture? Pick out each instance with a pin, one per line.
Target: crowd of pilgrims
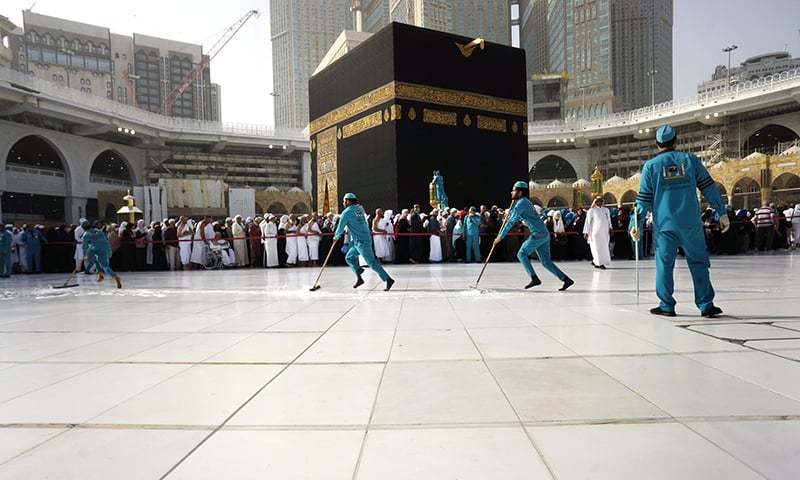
(410, 236)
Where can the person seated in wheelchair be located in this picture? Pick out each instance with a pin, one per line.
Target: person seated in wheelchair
(223, 248)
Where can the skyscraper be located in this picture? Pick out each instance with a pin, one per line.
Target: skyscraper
(617, 53)
(136, 70)
(488, 19)
(302, 32)
(641, 47)
(533, 26)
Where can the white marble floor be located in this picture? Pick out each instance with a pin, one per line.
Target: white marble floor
(246, 374)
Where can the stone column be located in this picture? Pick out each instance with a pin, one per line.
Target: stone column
(766, 185)
(306, 165)
(74, 209)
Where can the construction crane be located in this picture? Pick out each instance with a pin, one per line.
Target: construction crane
(190, 78)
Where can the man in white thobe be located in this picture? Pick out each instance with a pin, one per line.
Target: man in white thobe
(269, 230)
(596, 231)
(240, 241)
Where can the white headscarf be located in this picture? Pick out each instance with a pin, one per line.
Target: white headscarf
(558, 223)
(122, 227)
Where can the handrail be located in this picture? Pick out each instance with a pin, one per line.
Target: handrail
(717, 97)
(136, 115)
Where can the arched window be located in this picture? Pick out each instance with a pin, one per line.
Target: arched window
(553, 167)
(746, 193)
(609, 199)
(110, 167)
(277, 208)
(628, 198)
(300, 207)
(769, 139)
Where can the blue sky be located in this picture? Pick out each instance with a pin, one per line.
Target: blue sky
(701, 29)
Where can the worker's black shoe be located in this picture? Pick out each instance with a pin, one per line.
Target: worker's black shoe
(359, 282)
(711, 312)
(601, 267)
(663, 313)
(568, 282)
(389, 283)
(534, 282)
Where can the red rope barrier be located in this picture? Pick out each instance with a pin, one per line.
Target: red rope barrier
(374, 234)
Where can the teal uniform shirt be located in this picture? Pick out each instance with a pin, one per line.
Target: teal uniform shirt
(97, 250)
(6, 239)
(668, 189)
(32, 239)
(523, 211)
(95, 242)
(538, 241)
(473, 225)
(438, 182)
(355, 219)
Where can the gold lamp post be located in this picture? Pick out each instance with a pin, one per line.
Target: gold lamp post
(597, 183)
(131, 209)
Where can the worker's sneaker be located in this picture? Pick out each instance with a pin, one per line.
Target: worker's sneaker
(359, 282)
(663, 313)
(568, 282)
(100, 277)
(534, 282)
(389, 283)
(118, 281)
(711, 312)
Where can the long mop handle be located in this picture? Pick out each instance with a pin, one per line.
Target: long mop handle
(324, 264)
(491, 251)
(71, 275)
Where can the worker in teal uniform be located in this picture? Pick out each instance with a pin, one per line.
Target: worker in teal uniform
(97, 251)
(32, 238)
(6, 240)
(441, 196)
(472, 232)
(668, 189)
(354, 218)
(539, 239)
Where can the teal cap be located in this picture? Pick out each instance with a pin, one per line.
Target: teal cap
(350, 196)
(665, 134)
(522, 185)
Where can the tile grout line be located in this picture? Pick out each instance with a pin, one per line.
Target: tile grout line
(360, 456)
(679, 420)
(253, 396)
(98, 365)
(508, 400)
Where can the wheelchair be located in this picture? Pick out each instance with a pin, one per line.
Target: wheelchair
(214, 258)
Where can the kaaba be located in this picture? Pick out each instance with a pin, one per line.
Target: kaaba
(408, 101)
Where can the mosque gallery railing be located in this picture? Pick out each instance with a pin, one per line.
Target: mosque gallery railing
(716, 98)
(129, 113)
